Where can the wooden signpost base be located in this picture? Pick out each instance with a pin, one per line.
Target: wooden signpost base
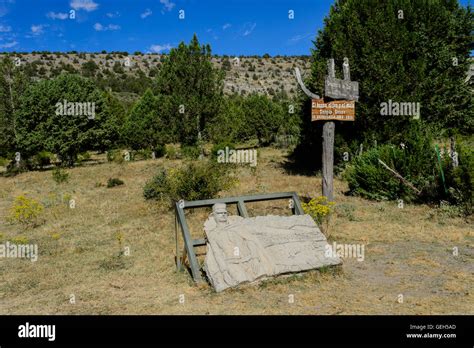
(328, 159)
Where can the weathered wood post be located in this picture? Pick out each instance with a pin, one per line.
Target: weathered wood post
(328, 148)
(328, 159)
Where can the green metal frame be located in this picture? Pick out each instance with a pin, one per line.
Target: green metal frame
(190, 244)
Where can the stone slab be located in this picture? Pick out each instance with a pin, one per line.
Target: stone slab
(248, 249)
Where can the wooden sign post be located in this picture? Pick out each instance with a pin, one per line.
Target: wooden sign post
(339, 105)
(328, 159)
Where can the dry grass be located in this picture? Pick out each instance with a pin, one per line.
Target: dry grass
(408, 251)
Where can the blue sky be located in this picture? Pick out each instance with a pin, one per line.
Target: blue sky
(231, 27)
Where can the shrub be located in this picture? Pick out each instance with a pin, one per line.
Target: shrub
(156, 188)
(112, 182)
(26, 211)
(417, 162)
(191, 152)
(84, 156)
(172, 152)
(460, 180)
(414, 159)
(4, 162)
(319, 209)
(42, 158)
(159, 151)
(194, 181)
(369, 179)
(449, 210)
(142, 154)
(118, 156)
(14, 168)
(60, 175)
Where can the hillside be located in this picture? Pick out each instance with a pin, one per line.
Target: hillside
(244, 75)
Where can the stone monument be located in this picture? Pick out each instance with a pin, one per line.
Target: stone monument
(243, 250)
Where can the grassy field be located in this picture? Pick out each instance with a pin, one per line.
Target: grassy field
(408, 251)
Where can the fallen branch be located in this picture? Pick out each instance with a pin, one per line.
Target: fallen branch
(398, 176)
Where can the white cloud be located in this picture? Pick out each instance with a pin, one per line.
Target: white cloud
(160, 48)
(248, 28)
(9, 44)
(297, 38)
(5, 28)
(147, 13)
(167, 4)
(58, 15)
(226, 26)
(100, 27)
(37, 29)
(113, 14)
(87, 5)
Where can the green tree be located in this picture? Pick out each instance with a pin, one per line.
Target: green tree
(230, 125)
(195, 89)
(112, 127)
(12, 84)
(263, 118)
(42, 125)
(254, 117)
(399, 50)
(145, 128)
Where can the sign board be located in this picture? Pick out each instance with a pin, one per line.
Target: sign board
(337, 110)
(341, 89)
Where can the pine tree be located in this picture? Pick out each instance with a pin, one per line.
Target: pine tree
(12, 84)
(195, 89)
(399, 50)
(145, 127)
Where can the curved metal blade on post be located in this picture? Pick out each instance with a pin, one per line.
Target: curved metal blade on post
(303, 87)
